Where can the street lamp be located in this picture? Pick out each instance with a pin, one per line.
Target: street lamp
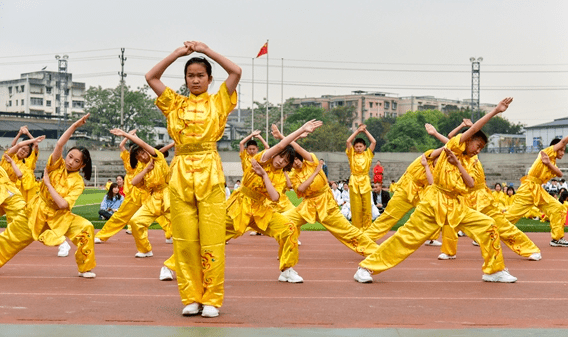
(475, 67)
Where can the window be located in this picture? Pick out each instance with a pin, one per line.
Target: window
(66, 104)
(370, 104)
(78, 104)
(387, 105)
(48, 90)
(22, 103)
(161, 136)
(66, 92)
(47, 103)
(36, 101)
(9, 103)
(10, 90)
(57, 97)
(394, 105)
(16, 102)
(23, 86)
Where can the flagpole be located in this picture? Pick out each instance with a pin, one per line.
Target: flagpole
(252, 106)
(267, 90)
(282, 98)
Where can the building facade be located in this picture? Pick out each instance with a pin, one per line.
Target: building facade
(539, 136)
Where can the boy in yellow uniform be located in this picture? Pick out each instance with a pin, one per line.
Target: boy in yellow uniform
(197, 193)
(481, 199)
(531, 193)
(443, 204)
(249, 205)
(318, 204)
(360, 160)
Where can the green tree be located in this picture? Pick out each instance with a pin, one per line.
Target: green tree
(408, 132)
(379, 128)
(139, 112)
(329, 137)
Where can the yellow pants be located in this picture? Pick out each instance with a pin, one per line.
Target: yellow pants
(361, 213)
(421, 225)
(140, 222)
(171, 262)
(198, 229)
(515, 239)
(397, 207)
(166, 225)
(341, 229)
(18, 235)
(120, 218)
(548, 205)
(279, 228)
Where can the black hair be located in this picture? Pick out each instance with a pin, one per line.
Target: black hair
(88, 168)
(510, 188)
(299, 156)
(359, 140)
(499, 186)
(110, 194)
(252, 142)
(480, 135)
(133, 152)
(289, 153)
(200, 60)
(158, 147)
(554, 141)
(563, 197)
(120, 175)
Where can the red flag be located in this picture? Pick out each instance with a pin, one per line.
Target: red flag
(263, 50)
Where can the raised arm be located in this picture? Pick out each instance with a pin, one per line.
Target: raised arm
(349, 141)
(424, 162)
(501, 107)
(308, 128)
(21, 144)
(166, 148)
(465, 123)
(122, 144)
(452, 159)
(243, 142)
(272, 193)
(139, 178)
(153, 77)
(561, 144)
(546, 161)
(264, 143)
(20, 133)
(304, 185)
(278, 135)
(370, 137)
(134, 138)
(431, 130)
(231, 68)
(58, 150)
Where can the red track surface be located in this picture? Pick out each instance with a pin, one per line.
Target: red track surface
(422, 292)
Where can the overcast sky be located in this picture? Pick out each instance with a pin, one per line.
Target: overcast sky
(328, 47)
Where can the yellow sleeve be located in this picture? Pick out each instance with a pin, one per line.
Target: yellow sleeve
(224, 102)
(75, 191)
(51, 166)
(167, 101)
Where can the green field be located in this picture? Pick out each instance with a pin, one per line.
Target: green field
(89, 202)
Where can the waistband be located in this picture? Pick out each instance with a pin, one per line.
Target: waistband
(195, 148)
(252, 194)
(157, 188)
(49, 202)
(533, 179)
(449, 193)
(478, 187)
(320, 192)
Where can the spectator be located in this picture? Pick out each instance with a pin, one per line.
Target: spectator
(120, 183)
(237, 185)
(324, 168)
(336, 193)
(111, 202)
(108, 183)
(227, 191)
(379, 197)
(378, 173)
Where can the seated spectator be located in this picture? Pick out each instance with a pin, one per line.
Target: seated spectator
(336, 194)
(379, 198)
(111, 202)
(120, 183)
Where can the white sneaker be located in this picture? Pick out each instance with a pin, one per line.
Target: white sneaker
(149, 254)
(433, 243)
(128, 231)
(461, 234)
(64, 249)
(475, 243)
(299, 243)
(535, 257)
(290, 275)
(559, 243)
(191, 309)
(500, 276)
(97, 240)
(363, 276)
(209, 311)
(253, 233)
(166, 274)
(170, 240)
(87, 274)
(445, 256)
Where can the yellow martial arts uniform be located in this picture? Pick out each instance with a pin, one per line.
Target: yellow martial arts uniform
(51, 225)
(481, 199)
(407, 193)
(531, 193)
(319, 205)
(499, 197)
(155, 205)
(197, 191)
(283, 204)
(132, 201)
(17, 234)
(26, 184)
(245, 160)
(249, 206)
(443, 203)
(360, 187)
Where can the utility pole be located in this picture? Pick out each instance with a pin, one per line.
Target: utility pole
(475, 72)
(62, 86)
(122, 76)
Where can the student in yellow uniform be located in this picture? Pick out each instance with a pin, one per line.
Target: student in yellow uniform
(49, 212)
(481, 199)
(153, 178)
(499, 196)
(197, 182)
(360, 159)
(134, 197)
(249, 205)
(443, 203)
(509, 197)
(531, 193)
(318, 204)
